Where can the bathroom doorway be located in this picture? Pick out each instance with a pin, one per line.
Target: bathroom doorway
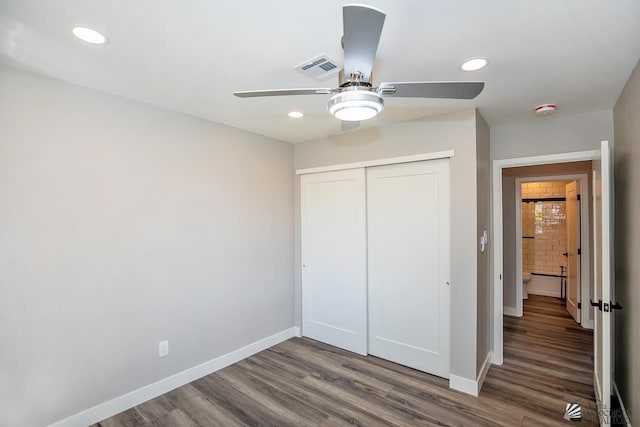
(536, 197)
(552, 219)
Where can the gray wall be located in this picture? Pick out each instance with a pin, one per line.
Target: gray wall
(626, 115)
(451, 131)
(483, 166)
(122, 225)
(509, 217)
(552, 135)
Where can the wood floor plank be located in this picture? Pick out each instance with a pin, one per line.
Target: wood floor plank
(202, 410)
(175, 418)
(339, 411)
(293, 410)
(371, 403)
(238, 404)
(444, 411)
(548, 362)
(335, 367)
(443, 397)
(156, 408)
(128, 418)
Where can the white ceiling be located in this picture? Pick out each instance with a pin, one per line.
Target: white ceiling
(190, 55)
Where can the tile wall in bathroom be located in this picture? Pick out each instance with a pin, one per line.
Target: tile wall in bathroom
(544, 229)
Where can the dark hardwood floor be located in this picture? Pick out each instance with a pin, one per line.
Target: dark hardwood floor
(301, 382)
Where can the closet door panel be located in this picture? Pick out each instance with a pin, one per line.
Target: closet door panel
(334, 287)
(409, 263)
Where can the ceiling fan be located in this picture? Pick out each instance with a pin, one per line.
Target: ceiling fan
(356, 99)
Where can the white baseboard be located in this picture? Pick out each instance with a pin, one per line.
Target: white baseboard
(627, 420)
(484, 370)
(510, 311)
(588, 324)
(543, 293)
(468, 386)
(297, 331)
(136, 397)
(463, 384)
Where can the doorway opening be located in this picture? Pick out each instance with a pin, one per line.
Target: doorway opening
(549, 226)
(603, 259)
(504, 207)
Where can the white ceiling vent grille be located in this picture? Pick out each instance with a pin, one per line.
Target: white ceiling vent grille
(320, 68)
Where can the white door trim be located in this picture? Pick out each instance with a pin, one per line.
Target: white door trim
(379, 162)
(583, 180)
(496, 194)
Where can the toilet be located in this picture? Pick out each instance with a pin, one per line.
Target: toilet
(526, 276)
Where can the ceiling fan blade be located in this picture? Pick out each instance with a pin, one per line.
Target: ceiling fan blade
(453, 90)
(282, 92)
(345, 125)
(362, 29)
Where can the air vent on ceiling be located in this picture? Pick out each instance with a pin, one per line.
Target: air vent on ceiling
(320, 68)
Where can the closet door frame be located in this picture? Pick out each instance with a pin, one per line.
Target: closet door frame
(379, 162)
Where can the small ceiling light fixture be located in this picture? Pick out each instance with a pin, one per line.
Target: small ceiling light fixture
(474, 64)
(295, 114)
(356, 105)
(88, 35)
(545, 110)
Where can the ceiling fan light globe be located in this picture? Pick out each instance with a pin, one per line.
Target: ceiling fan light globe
(355, 114)
(356, 106)
(89, 35)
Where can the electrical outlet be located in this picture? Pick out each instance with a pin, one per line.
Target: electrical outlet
(163, 348)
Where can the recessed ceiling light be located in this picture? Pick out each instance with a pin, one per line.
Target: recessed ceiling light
(474, 64)
(545, 109)
(295, 114)
(89, 35)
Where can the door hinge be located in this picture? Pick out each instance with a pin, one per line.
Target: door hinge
(579, 305)
(579, 251)
(578, 197)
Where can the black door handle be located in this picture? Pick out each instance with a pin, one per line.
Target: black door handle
(596, 304)
(616, 306)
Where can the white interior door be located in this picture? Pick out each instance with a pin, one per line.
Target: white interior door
(334, 258)
(573, 244)
(409, 264)
(603, 272)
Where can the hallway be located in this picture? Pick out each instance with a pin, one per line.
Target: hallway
(548, 362)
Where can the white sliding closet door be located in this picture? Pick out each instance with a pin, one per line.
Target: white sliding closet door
(334, 258)
(409, 264)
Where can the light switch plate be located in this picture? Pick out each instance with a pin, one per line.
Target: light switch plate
(163, 348)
